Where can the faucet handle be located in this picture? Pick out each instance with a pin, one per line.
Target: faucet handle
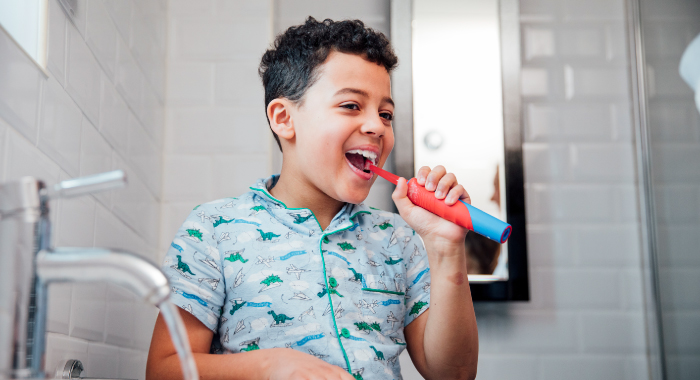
(86, 185)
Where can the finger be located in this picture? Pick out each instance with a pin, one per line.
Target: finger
(465, 197)
(400, 195)
(434, 177)
(422, 175)
(445, 184)
(456, 193)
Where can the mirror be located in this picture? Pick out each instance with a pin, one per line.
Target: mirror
(466, 116)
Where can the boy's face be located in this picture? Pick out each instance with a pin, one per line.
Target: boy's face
(344, 117)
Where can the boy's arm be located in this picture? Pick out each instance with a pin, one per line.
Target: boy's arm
(443, 341)
(272, 363)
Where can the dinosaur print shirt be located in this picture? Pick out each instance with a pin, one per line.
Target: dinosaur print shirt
(261, 275)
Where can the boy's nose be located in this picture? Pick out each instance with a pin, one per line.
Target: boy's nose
(374, 127)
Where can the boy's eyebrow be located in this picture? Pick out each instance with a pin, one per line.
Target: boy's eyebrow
(363, 93)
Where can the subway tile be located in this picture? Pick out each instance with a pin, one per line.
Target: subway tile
(20, 88)
(546, 162)
(56, 62)
(571, 122)
(59, 129)
(238, 83)
(593, 10)
(101, 37)
(242, 171)
(678, 287)
(24, 159)
(103, 361)
(121, 12)
(665, 37)
(582, 42)
(95, 157)
(678, 204)
(408, 369)
(637, 367)
(78, 16)
(83, 76)
(144, 156)
(152, 114)
(612, 246)
(677, 245)
(551, 246)
(189, 9)
(242, 9)
(664, 81)
(110, 232)
(188, 178)
(626, 203)
(88, 311)
(217, 131)
(597, 83)
(674, 121)
(632, 287)
(144, 320)
(3, 147)
(603, 162)
(191, 84)
(113, 117)
(76, 222)
(683, 367)
(581, 367)
(136, 206)
(220, 39)
(132, 364)
(675, 163)
(587, 289)
(570, 203)
(544, 332)
(60, 349)
(129, 78)
(539, 42)
(613, 333)
(534, 82)
(59, 305)
(119, 329)
(498, 367)
(681, 329)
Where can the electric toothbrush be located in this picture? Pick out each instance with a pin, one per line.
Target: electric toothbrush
(460, 213)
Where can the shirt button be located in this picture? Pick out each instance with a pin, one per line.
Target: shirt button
(332, 282)
(345, 333)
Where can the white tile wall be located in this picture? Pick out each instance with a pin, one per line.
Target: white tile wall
(98, 110)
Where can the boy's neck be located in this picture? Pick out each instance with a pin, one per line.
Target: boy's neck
(294, 192)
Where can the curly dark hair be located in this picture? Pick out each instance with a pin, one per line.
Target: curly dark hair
(290, 67)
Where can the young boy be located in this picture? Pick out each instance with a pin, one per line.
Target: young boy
(298, 278)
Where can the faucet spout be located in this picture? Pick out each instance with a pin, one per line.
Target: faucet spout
(132, 272)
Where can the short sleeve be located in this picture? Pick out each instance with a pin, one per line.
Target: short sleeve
(194, 268)
(415, 258)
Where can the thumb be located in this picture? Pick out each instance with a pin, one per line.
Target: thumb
(400, 196)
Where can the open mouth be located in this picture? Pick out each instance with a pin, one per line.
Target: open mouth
(361, 159)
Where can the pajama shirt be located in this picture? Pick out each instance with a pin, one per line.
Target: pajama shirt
(262, 275)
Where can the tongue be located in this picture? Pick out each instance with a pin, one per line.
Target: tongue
(357, 160)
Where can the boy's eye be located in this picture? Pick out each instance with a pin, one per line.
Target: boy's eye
(387, 116)
(350, 106)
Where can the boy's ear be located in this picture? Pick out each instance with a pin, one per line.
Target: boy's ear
(280, 116)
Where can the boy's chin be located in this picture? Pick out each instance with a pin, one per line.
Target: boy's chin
(355, 196)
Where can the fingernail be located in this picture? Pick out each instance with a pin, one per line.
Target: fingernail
(438, 194)
(429, 185)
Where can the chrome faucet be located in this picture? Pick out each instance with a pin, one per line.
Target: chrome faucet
(27, 256)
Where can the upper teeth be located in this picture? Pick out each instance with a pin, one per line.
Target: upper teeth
(367, 154)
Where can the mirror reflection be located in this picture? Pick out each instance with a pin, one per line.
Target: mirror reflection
(456, 53)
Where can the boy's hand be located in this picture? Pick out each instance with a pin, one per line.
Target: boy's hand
(432, 228)
(290, 364)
